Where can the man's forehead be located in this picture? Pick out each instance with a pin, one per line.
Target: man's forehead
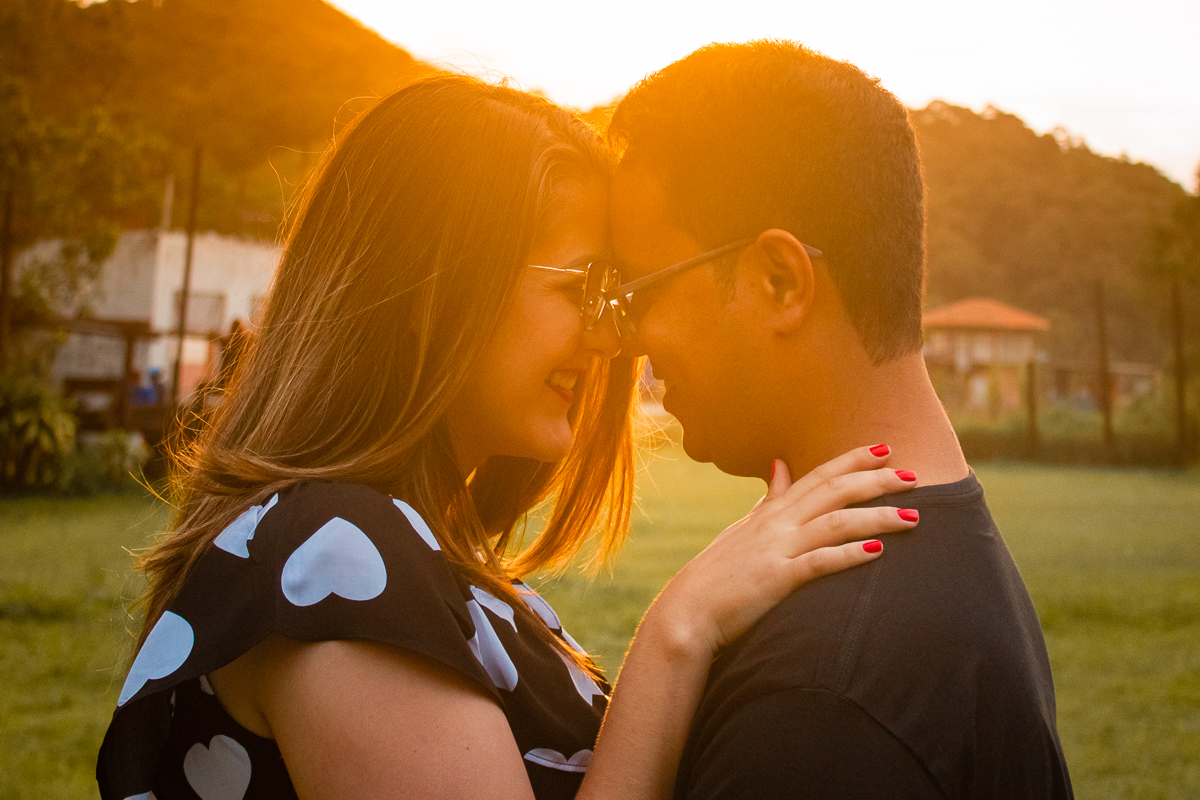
(645, 233)
(640, 190)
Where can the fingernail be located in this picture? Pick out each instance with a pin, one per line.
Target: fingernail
(909, 514)
(880, 450)
(773, 463)
(873, 546)
(906, 475)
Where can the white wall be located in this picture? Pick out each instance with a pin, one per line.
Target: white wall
(239, 269)
(139, 282)
(126, 285)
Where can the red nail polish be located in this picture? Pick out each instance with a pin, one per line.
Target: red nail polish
(873, 546)
(880, 450)
(906, 475)
(909, 514)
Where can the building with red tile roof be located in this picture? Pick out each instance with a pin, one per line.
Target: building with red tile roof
(984, 313)
(979, 352)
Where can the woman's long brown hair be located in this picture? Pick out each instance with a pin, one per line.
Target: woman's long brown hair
(404, 250)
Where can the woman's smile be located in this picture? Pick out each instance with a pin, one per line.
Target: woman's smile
(541, 345)
(562, 381)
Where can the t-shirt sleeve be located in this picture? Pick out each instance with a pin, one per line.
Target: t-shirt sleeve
(320, 562)
(803, 743)
(317, 562)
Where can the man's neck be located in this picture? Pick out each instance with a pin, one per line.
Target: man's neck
(892, 404)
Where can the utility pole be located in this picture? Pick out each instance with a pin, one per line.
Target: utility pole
(1181, 421)
(1031, 406)
(181, 332)
(1103, 374)
(168, 203)
(6, 276)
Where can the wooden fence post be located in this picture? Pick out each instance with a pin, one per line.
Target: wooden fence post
(1031, 409)
(6, 276)
(1104, 395)
(1181, 421)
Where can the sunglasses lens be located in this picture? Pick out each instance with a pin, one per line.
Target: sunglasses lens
(600, 278)
(593, 308)
(626, 328)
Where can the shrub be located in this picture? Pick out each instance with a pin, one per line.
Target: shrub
(1142, 437)
(37, 436)
(105, 461)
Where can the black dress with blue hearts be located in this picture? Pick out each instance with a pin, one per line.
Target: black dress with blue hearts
(318, 562)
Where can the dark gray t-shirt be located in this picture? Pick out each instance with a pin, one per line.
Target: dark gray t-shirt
(921, 675)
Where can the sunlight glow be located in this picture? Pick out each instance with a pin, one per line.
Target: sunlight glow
(1121, 75)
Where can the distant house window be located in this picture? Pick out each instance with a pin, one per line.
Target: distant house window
(205, 312)
(980, 390)
(938, 344)
(982, 350)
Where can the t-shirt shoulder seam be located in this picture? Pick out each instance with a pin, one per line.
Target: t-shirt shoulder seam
(847, 643)
(866, 713)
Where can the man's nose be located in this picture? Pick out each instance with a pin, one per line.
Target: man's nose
(632, 343)
(603, 337)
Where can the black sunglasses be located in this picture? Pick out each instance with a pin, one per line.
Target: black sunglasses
(598, 278)
(620, 299)
(600, 290)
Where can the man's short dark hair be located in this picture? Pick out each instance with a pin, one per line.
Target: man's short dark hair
(770, 134)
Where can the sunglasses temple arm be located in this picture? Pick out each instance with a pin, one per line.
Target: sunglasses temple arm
(663, 274)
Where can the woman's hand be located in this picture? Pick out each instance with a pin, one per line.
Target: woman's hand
(797, 532)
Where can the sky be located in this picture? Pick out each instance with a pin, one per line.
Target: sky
(1124, 76)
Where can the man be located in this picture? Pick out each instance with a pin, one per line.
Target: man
(792, 183)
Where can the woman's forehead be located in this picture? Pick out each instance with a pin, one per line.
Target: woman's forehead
(574, 227)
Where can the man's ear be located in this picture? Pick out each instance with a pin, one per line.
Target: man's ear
(786, 275)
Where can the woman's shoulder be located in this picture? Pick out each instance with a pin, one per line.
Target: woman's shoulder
(314, 562)
(325, 541)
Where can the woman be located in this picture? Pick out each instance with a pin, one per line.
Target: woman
(334, 612)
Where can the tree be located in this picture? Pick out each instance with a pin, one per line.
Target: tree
(80, 182)
(1173, 256)
(1035, 220)
(261, 85)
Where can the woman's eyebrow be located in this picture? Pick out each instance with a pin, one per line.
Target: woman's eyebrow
(583, 261)
(579, 263)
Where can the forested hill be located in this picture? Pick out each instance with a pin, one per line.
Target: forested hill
(1036, 220)
(1032, 220)
(243, 78)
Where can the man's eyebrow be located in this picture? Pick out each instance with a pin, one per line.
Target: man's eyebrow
(628, 272)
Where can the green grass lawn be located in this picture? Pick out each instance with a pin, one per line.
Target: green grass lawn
(63, 646)
(1112, 559)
